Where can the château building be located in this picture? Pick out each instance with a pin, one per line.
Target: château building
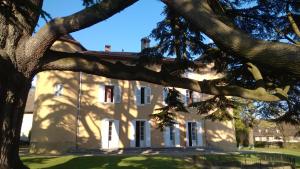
(75, 110)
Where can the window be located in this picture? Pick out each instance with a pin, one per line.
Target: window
(194, 131)
(143, 95)
(142, 130)
(58, 88)
(141, 133)
(165, 95)
(194, 134)
(188, 97)
(172, 132)
(109, 94)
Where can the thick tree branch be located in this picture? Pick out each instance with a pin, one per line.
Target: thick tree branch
(277, 55)
(91, 64)
(254, 71)
(293, 24)
(44, 38)
(260, 84)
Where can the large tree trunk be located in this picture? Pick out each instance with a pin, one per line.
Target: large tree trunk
(13, 94)
(251, 138)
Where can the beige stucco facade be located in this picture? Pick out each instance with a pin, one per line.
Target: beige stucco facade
(77, 117)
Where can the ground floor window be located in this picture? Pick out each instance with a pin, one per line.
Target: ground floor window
(109, 134)
(140, 133)
(194, 134)
(172, 136)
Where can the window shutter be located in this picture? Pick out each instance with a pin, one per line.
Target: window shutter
(138, 95)
(148, 95)
(148, 133)
(132, 133)
(199, 134)
(104, 134)
(187, 133)
(115, 134)
(165, 95)
(101, 93)
(117, 94)
(167, 136)
(177, 135)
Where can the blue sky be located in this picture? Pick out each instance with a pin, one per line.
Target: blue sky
(122, 31)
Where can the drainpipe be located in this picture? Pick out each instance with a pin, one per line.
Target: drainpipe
(78, 111)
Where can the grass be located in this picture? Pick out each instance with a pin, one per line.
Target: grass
(292, 152)
(106, 162)
(127, 162)
(145, 162)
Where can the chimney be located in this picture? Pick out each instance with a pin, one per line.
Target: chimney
(145, 43)
(107, 48)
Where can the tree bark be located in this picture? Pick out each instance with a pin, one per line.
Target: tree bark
(13, 95)
(91, 63)
(251, 137)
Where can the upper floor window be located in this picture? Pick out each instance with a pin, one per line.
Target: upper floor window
(109, 94)
(143, 95)
(165, 95)
(191, 97)
(58, 89)
(188, 97)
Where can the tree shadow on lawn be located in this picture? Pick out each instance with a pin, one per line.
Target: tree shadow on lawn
(113, 162)
(38, 160)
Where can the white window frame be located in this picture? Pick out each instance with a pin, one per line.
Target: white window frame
(117, 90)
(165, 93)
(199, 132)
(176, 133)
(115, 134)
(147, 134)
(139, 94)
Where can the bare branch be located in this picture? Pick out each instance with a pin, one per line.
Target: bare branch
(91, 64)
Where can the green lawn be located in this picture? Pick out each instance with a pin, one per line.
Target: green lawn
(293, 152)
(144, 162)
(130, 162)
(106, 162)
